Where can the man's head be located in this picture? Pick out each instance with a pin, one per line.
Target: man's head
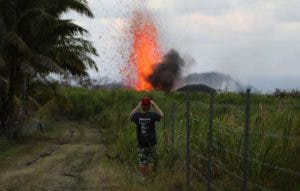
(146, 103)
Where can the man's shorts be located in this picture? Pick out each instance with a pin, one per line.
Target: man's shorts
(147, 155)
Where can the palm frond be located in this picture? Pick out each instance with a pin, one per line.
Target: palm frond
(80, 45)
(56, 30)
(3, 80)
(2, 62)
(90, 62)
(13, 40)
(78, 55)
(8, 13)
(31, 16)
(70, 62)
(51, 44)
(67, 27)
(44, 64)
(27, 68)
(3, 85)
(57, 7)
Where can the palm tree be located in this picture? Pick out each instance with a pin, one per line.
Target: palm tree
(35, 42)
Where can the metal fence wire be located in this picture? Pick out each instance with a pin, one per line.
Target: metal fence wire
(201, 149)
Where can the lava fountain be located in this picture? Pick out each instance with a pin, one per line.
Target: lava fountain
(145, 52)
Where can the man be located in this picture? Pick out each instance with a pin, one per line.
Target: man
(146, 133)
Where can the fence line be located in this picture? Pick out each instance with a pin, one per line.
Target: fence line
(199, 138)
(231, 106)
(220, 166)
(228, 151)
(219, 105)
(274, 167)
(172, 124)
(246, 143)
(208, 144)
(276, 136)
(239, 178)
(210, 141)
(202, 176)
(199, 155)
(264, 134)
(187, 142)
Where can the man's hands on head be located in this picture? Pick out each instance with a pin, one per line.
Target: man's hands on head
(136, 108)
(152, 103)
(156, 108)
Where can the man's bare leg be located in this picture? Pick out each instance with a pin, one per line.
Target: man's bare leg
(150, 168)
(144, 169)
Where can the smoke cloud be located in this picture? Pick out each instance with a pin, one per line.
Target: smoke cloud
(168, 72)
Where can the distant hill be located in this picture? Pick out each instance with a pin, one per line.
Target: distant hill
(217, 81)
(197, 88)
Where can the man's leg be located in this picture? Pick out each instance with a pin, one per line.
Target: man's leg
(150, 168)
(144, 169)
(143, 161)
(147, 160)
(151, 159)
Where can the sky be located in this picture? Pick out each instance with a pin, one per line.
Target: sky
(257, 42)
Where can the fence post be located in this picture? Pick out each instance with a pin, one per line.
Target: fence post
(164, 129)
(210, 141)
(187, 141)
(164, 122)
(172, 123)
(246, 142)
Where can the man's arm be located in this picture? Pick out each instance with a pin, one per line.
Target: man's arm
(135, 109)
(157, 109)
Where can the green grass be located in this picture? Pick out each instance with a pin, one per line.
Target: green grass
(109, 111)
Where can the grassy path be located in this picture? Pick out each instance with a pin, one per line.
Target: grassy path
(73, 159)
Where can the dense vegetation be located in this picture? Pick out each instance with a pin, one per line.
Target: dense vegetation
(275, 131)
(34, 42)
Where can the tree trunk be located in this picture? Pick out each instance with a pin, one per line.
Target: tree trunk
(26, 97)
(9, 116)
(2, 116)
(24, 86)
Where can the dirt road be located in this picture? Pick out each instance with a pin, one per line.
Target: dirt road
(75, 161)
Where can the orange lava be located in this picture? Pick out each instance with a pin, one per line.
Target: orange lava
(145, 53)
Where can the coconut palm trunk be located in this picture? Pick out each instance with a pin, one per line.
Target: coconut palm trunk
(26, 95)
(9, 116)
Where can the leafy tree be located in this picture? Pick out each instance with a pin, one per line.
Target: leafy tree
(34, 42)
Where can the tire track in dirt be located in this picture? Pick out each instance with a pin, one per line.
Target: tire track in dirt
(74, 163)
(64, 140)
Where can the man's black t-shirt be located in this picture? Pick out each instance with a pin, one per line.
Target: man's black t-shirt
(145, 123)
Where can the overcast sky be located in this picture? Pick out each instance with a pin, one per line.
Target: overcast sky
(255, 41)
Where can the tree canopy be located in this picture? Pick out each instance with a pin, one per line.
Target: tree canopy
(36, 41)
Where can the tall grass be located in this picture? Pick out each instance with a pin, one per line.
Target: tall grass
(273, 121)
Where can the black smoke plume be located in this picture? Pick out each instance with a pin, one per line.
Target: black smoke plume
(166, 73)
